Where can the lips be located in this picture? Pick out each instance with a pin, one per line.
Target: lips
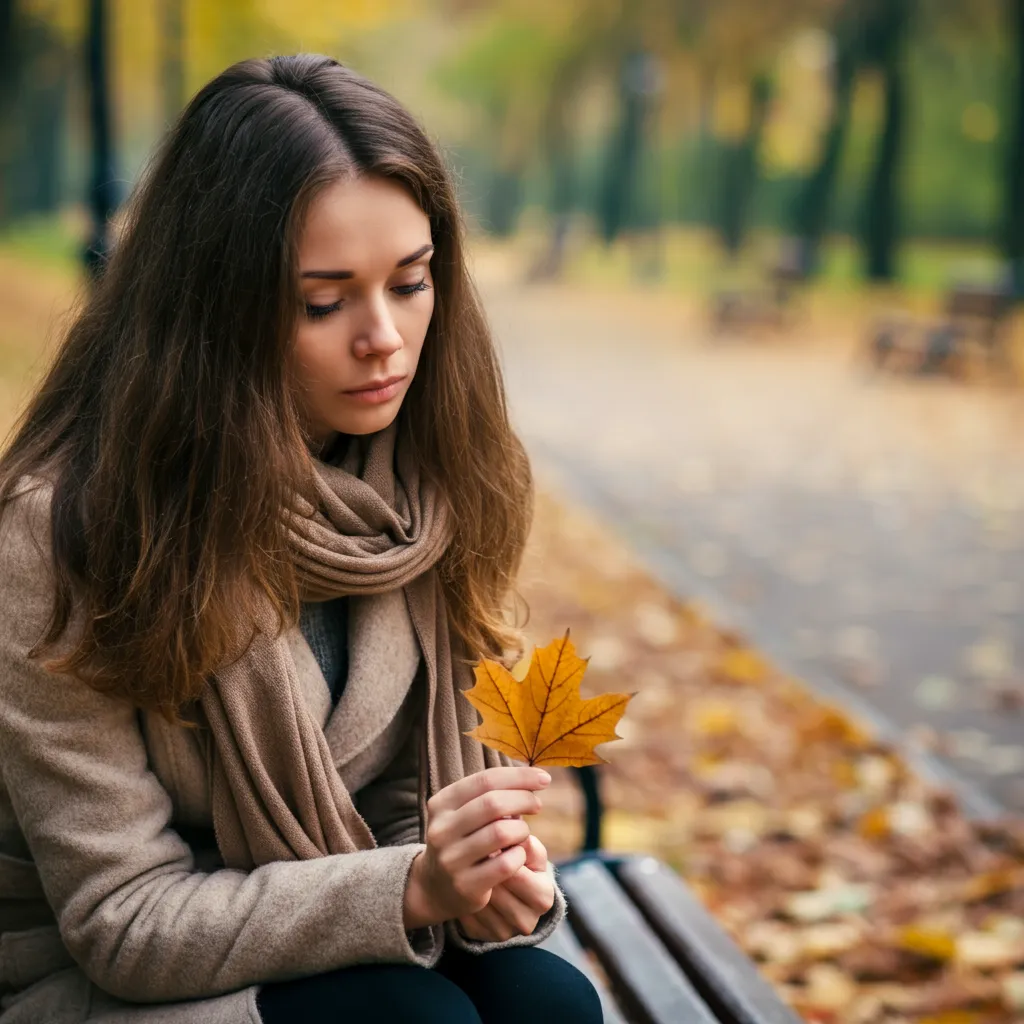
(376, 385)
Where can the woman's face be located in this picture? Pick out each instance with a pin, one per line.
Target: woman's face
(364, 261)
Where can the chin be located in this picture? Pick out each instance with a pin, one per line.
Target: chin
(372, 421)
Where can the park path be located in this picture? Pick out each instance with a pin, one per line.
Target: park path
(868, 534)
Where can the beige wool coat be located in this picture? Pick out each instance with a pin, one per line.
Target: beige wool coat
(114, 906)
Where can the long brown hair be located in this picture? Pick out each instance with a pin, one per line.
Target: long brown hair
(167, 420)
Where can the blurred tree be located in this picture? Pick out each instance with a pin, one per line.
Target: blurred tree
(102, 195)
(739, 169)
(1013, 238)
(885, 37)
(501, 74)
(172, 62)
(33, 99)
(735, 44)
(558, 139)
(639, 84)
(811, 209)
(7, 13)
(9, 59)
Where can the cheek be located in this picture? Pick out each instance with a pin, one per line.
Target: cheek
(312, 353)
(420, 324)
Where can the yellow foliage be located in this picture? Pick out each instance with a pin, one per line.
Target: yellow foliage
(875, 823)
(542, 719)
(742, 665)
(930, 942)
(994, 883)
(714, 718)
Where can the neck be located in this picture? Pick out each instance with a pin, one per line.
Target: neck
(319, 447)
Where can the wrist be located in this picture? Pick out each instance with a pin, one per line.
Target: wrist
(416, 909)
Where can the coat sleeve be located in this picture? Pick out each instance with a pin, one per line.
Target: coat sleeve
(545, 926)
(133, 911)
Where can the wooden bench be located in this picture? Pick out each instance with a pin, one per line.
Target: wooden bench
(770, 305)
(660, 957)
(973, 323)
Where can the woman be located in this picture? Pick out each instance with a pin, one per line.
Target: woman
(257, 522)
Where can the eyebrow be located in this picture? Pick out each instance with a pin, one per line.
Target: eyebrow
(344, 275)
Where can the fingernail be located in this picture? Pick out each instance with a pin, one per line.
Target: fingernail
(544, 777)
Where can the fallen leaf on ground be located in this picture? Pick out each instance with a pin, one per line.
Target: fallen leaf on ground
(765, 820)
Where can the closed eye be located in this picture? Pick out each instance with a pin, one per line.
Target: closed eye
(319, 312)
(411, 289)
(404, 290)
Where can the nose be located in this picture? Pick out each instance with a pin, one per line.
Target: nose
(379, 335)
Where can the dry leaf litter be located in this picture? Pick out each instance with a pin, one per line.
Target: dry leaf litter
(862, 892)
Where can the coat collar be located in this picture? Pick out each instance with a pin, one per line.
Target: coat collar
(383, 656)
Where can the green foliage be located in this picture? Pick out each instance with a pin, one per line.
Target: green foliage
(506, 58)
(526, 92)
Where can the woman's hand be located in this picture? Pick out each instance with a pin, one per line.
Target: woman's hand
(516, 905)
(473, 843)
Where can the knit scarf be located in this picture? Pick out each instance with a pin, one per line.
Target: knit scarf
(378, 526)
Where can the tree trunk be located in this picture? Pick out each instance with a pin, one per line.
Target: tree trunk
(880, 219)
(10, 59)
(102, 197)
(1013, 239)
(172, 64)
(559, 150)
(700, 175)
(740, 170)
(8, 49)
(33, 100)
(617, 202)
(811, 209)
(504, 201)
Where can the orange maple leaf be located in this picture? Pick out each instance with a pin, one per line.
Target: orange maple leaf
(543, 720)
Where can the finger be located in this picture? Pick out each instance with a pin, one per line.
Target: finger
(472, 929)
(517, 914)
(536, 854)
(488, 807)
(460, 793)
(497, 925)
(493, 871)
(496, 837)
(534, 889)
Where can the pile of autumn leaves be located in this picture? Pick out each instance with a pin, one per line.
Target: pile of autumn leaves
(865, 896)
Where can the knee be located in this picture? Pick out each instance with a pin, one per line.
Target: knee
(420, 997)
(571, 997)
(556, 992)
(398, 994)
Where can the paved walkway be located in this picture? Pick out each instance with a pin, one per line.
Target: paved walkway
(869, 534)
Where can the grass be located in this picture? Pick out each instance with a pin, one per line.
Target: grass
(38, 281)
(687, 261)
(50, 241)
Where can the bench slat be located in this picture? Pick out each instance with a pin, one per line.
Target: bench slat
(722, 972)
(562, 942)
(644, 974)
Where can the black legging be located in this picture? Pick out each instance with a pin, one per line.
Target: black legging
(521, 985)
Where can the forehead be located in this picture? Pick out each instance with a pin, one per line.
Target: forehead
(360, 224)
